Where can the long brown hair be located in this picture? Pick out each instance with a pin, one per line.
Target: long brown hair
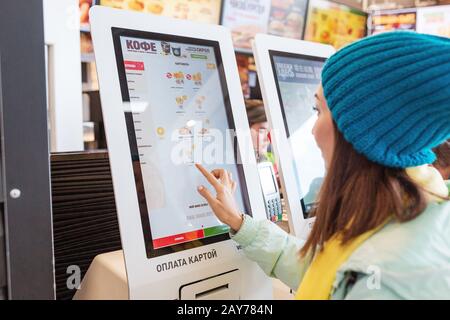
(358, 195)
(443, 158)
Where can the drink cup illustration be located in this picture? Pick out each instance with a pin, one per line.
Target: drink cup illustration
(165, 46)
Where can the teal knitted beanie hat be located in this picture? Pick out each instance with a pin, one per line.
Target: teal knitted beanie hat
(389, 96)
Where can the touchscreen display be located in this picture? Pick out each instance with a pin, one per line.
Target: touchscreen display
(178, 113)
(297, 78)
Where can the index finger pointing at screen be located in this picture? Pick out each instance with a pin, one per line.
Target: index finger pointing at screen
(211, 179)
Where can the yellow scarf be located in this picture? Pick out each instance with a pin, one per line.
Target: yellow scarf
(317, 284)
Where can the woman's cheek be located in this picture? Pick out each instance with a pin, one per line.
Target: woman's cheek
(316, 132)
(321, 136)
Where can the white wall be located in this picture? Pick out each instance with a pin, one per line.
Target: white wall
(62, 36)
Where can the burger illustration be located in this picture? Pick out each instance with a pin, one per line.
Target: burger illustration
(197, 78)
(179, 77)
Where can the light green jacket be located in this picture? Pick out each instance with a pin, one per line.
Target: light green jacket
(408, 260)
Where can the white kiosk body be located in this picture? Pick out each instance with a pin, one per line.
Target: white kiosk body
(289, 74)
(170, 91)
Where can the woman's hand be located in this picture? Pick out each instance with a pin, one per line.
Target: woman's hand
(223, 204)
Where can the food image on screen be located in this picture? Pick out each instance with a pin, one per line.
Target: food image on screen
(178, 113)
(334, 24)
(298, 78)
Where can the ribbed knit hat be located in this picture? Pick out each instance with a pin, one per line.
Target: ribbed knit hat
(389, 95)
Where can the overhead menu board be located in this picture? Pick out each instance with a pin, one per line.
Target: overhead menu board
(390, 20)
(434, 20)
(334, 24)
(287, 18)
(194, 10)
(246, 18)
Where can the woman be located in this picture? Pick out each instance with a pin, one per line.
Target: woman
(259, 129)
(382, 228)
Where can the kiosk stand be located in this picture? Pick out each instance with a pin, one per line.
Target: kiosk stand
(171, 97)
(289, 73)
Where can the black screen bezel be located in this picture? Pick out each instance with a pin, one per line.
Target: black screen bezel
(117, 33)
(283, 54)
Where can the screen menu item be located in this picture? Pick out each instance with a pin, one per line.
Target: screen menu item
(297, 78)
(178, 114)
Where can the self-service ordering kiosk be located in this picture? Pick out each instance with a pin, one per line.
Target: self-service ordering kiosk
(289, 74)
(171, 97)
